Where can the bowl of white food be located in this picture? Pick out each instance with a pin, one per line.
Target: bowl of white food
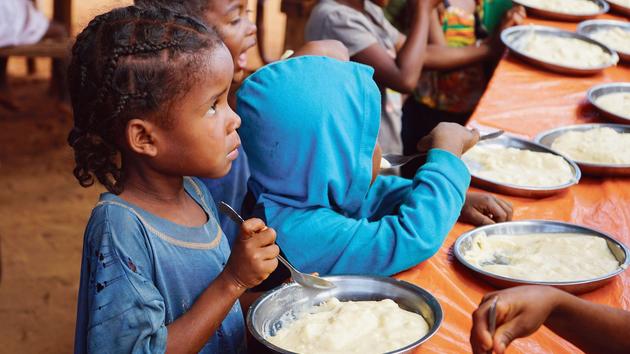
(362, 314)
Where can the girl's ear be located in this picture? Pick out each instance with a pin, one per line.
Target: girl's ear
(140, 136)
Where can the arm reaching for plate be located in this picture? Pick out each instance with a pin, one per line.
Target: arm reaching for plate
(593, 328)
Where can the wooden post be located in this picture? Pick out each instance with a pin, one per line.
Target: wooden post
(62, 13)
(297, 12)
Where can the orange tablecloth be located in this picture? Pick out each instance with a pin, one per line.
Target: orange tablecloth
(525, 100)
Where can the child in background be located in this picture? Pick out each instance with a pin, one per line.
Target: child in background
(397, 61)
(450, 85)
(230, 19)
(149, 91)
(310, 125)
(522, 310)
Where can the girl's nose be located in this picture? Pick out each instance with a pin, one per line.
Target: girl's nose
(251, 28)
(234, 121)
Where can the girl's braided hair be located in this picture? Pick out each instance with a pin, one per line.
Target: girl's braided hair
(128, 63)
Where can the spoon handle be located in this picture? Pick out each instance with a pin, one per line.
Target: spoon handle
(231, 213)
(287, 264)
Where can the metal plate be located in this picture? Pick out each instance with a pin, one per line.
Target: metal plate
(619, 8)
(513, 35)
(553, 15)
(523, 191)
(589, 27)
(596, 169)
(264, 316)
(464, 242)
(598, 91)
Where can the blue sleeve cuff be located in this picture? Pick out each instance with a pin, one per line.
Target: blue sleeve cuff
(450, 166)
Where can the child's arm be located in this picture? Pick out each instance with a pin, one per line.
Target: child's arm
(522, 310)
(436, 33)
(253, 258)
(323, 240)
(402, 74)
(441, 57)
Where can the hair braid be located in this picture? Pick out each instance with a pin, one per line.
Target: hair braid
(118, 71)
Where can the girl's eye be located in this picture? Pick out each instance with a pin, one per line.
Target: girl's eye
(235, 21)
(212, 110)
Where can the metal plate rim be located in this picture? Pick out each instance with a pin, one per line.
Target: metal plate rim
(582, 28)
(576, 176)
(554, 66)
(463, 237)
(604, 7)
(590, 95)
(538, 139)
(435, 306)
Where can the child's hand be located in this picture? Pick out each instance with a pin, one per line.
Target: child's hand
(254, 254)
(485, 209)
(451, 137)
(520, 312)
(513, 17)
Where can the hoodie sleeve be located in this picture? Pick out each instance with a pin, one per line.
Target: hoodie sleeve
(322, 240)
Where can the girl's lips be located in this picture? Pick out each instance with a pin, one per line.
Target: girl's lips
(242, 60)
(233, 154)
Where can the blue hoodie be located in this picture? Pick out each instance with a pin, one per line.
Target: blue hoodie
(309, 126)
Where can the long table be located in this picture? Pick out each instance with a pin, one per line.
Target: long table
(524, 100)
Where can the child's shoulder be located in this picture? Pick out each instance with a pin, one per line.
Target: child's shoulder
(201, 193)
(112, 216)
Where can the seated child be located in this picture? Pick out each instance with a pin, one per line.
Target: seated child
(149, 92)
(230, 19)
(455, 68)
(310, 126)
(522, 310)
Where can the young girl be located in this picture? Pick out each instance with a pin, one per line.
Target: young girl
(149, 93)
(230, 19)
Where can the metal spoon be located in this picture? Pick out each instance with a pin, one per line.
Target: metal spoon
(395, 160)
(492, 319)
(306, 280)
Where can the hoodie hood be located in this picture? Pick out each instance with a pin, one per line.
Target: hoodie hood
(309, 127)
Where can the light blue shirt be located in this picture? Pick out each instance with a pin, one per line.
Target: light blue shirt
(140, 273)
(309, 126)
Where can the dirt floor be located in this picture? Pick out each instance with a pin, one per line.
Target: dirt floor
(43, 210)
(42, 215)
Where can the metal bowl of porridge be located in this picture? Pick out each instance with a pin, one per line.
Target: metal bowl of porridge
(598, 91)
(563, 16)
(514, 37)
(464, 243)
(590, 27)
(519, 190)
(594, 169)
(268, 314)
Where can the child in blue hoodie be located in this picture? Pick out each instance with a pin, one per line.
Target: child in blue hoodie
(310, 126)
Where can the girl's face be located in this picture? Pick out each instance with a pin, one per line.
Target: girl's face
(230, 18)
(202, 139)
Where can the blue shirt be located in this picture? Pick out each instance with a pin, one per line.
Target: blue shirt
(140, 273)
(231, 189)
(309, 126)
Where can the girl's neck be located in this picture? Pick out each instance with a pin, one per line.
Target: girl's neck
(143, 185)
(160, 194)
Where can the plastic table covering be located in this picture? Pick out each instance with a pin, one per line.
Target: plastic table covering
(525, 100)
